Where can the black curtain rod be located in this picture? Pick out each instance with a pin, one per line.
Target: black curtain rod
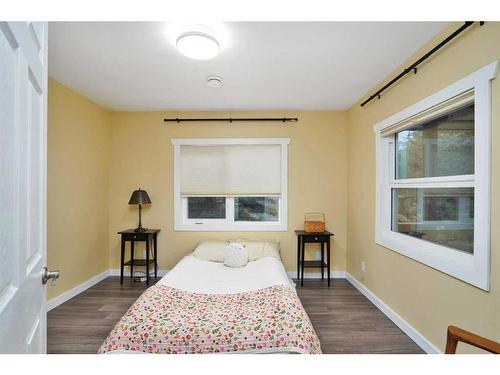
(231, 119)
(413, 67)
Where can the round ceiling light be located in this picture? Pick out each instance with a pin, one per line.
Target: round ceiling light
(214, 81)
(197, 45)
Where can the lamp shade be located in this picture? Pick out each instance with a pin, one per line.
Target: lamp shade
(139, 197)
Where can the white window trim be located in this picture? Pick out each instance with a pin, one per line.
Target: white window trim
(471, 268)
(183, 224)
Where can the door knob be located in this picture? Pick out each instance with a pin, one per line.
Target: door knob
(49, 275)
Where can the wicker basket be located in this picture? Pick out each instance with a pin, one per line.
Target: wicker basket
(314, 222)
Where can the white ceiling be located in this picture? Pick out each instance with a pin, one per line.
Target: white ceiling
(265, 65)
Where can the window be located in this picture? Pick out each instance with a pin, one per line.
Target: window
(206, 207)
(256, 209)
(437, 215)
(230, 184)
(433, 179)
(440, 147)
(444, 208)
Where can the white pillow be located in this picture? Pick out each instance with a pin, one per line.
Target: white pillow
(258, 249)
(236, 255)
(272, 249)
(211, 250)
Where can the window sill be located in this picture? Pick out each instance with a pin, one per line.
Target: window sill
(456, 263)
(281, 227)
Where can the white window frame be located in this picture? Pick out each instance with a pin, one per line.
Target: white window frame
(182, 223)
(471, 268)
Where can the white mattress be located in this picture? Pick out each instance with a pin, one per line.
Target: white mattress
(199, 276)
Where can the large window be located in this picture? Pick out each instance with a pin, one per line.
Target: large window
(230, 184)
(433, 179)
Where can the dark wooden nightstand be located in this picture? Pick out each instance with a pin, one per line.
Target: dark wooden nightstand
(150, 237)
(321, 238)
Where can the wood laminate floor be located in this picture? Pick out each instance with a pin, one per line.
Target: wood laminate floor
(344, 320)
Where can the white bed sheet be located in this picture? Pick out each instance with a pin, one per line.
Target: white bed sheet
(199, 276)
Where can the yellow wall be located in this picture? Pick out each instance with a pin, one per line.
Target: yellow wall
(77, 178)
(427, 299)
(96, 158)
(142, 156)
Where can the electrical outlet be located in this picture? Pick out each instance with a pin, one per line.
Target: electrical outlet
(363, 266)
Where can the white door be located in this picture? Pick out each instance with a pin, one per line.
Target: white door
(23, 134)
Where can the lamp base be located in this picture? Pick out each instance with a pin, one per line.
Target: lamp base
(140, 230)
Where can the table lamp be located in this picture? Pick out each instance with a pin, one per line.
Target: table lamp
(139, 197)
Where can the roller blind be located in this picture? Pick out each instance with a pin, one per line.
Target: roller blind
(441, 109)
(230, 170)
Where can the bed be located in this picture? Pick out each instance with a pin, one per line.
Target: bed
(203, 306)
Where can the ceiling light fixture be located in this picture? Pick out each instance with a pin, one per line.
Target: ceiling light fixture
(197, 45)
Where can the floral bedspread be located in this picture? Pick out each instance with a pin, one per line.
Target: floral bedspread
(168, 320)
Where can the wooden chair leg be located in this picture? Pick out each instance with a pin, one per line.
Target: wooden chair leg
(451, 343)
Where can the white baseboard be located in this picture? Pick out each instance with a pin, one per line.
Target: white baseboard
(411, 332)
(317, 275)
(60, 299)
